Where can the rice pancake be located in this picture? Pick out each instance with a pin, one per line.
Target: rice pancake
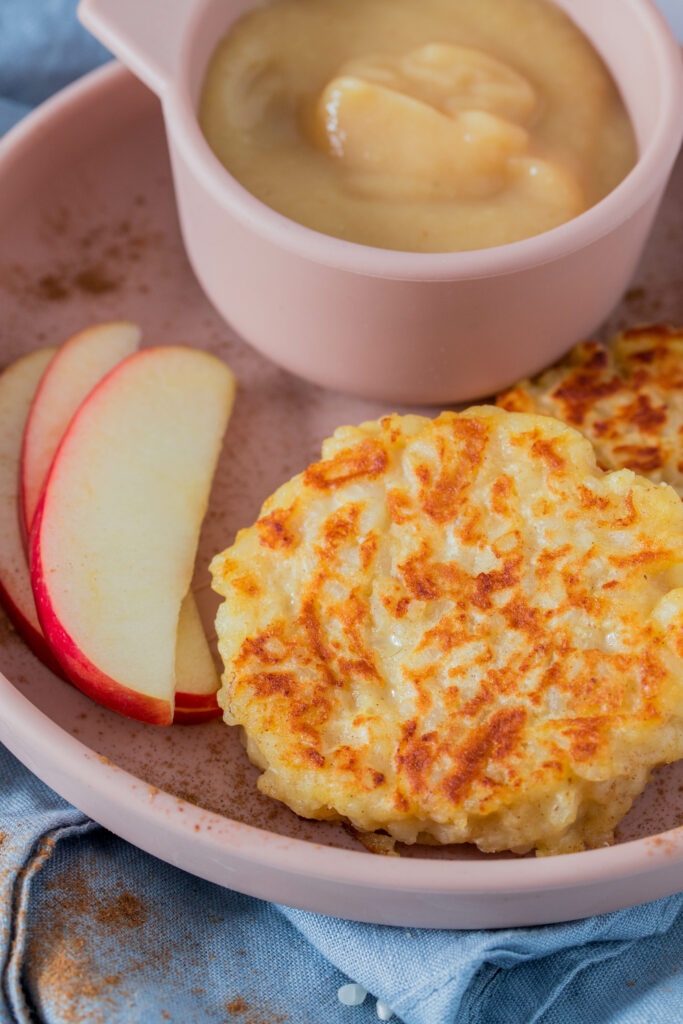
(627, 397)
(458, 630)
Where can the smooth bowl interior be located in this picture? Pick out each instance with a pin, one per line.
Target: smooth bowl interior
(627, 33)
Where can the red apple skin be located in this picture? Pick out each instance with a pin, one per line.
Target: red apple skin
(198, 701)
(196, 707)
(78, 668)
(29, 634)
(181, 716)
(15, 585)
(24, 518)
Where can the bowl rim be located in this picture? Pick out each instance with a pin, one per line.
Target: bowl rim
(127, 805)
(648, 175)
(120, 800)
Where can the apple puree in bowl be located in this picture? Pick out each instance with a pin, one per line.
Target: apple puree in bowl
(436, 126)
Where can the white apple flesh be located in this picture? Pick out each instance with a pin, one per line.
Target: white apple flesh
(197, 681)
(115, 533)
(79, 365)
(17, 387)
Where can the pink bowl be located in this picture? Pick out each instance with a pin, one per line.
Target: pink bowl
(403, 327)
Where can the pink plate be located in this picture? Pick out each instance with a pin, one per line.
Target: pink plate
(89, 233)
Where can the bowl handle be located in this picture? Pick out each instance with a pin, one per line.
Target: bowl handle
(145, 34)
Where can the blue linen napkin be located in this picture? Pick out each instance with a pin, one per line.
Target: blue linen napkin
(93, 930)
(96, 932)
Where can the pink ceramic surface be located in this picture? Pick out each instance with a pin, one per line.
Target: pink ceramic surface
(391, 325)
(88, 232)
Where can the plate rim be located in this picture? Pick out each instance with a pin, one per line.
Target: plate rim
(229, 840)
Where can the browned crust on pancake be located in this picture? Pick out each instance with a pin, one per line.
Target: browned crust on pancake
(461, 642)
(626, 397)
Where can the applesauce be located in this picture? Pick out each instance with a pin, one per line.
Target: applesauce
(417, 125)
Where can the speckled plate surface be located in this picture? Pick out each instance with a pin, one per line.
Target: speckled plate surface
(88, 232)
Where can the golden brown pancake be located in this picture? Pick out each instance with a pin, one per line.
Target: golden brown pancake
(458, 630)
(626, 397)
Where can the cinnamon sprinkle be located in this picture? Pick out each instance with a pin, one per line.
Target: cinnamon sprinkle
(103, 258)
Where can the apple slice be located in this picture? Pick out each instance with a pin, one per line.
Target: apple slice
(197, 681)
(115, 533)
(17, 387)
(79, 365)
